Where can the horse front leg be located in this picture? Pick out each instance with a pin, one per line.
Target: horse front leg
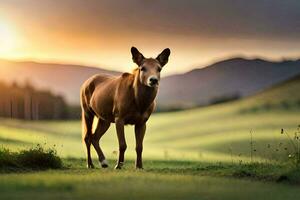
(140, 130)
(122, 142)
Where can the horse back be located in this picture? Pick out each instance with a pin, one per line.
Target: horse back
(100, 94)
(90, 86)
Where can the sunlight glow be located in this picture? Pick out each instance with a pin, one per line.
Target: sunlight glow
(7, 39)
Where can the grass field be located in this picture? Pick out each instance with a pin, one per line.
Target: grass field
(208, 135)
(192, 154)
(160, 180)
(218, 133)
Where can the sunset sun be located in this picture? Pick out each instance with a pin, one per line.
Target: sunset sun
(7, 38)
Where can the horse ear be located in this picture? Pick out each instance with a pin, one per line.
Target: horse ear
(137, 57)
(163, 57)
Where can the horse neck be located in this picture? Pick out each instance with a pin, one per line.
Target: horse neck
(144, 96)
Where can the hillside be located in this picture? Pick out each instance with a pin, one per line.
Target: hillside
(63, 79)
(214, 133)
(235, 76)
(284, 95)
(203, 134)
(288, 90)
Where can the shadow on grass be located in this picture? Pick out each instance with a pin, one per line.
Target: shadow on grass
(37, 158)
(283, 173)
(13, 141)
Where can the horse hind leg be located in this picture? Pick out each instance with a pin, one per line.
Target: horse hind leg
(87, 124)
(101, 128)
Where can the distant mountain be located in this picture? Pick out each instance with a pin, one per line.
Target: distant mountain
(229, 77)
(197, 87)
(62, 79)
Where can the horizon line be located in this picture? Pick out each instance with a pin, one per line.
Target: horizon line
(192, 67)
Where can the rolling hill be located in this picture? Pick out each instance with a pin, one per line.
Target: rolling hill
(61, 79)
(180, 146)
(280, 96)
(214, 133)
(237, 76)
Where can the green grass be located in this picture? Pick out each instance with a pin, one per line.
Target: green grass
(283, 96)
(202, 153)
(35, 158)
(207, 134)
(202, 137)
(160, 180)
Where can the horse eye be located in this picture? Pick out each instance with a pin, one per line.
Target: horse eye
(143, 69)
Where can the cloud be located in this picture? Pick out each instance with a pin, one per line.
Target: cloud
(197, 31)
(210, 18)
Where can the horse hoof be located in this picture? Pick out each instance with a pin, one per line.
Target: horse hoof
(118, 167)
(104, 164)
(139, 168)
(90, 166)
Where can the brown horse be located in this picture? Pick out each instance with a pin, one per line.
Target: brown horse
(127, 99)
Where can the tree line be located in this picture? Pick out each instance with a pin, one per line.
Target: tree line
(29, 103)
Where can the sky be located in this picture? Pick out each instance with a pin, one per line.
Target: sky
(101, 32)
